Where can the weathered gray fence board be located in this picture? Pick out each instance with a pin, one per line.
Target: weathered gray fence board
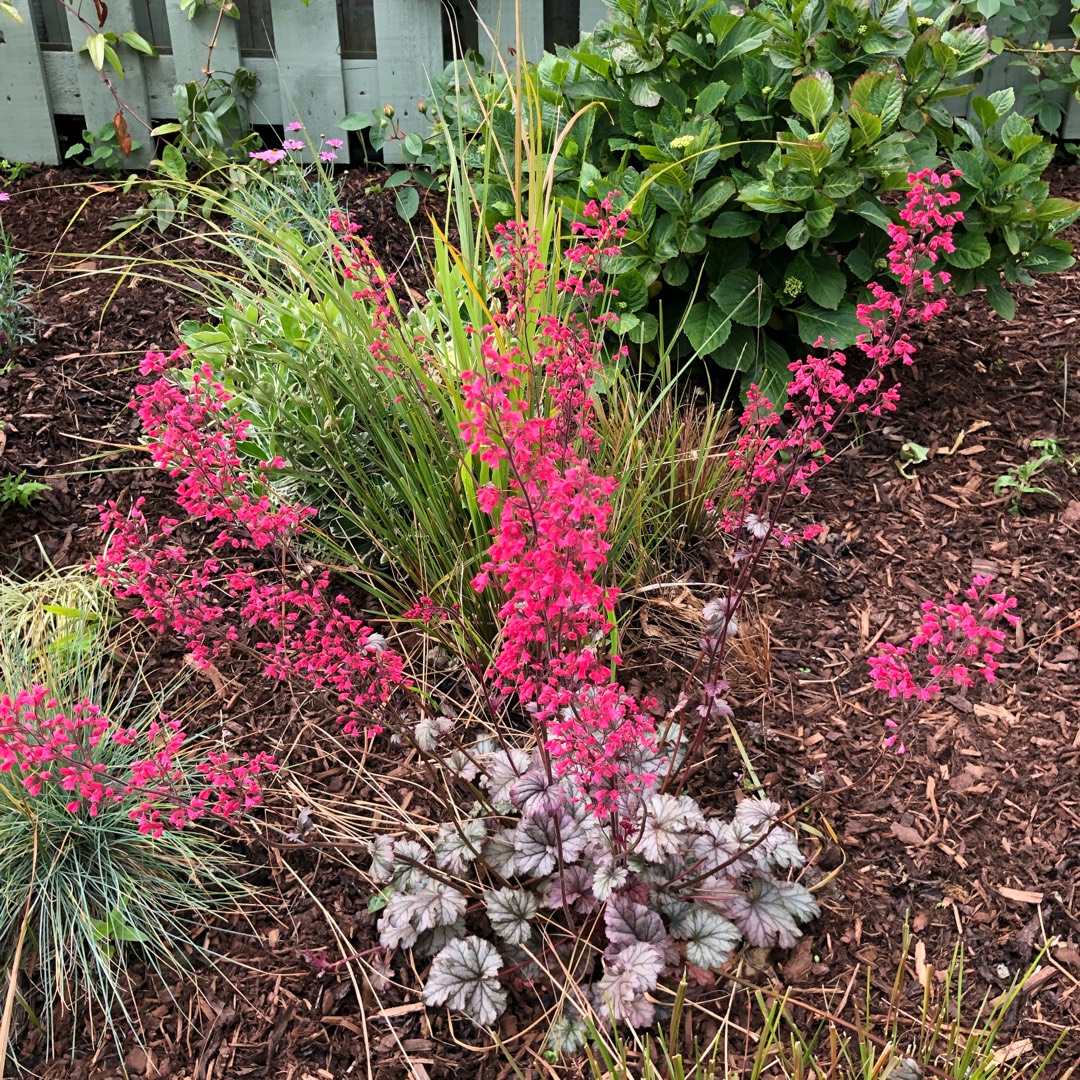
(98, 103)
(192, 40)
(308, 53)
(26, 124)
(499, 25)
(592, 12)
(409, 36)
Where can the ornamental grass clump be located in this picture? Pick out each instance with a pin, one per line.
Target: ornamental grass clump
(105, 857)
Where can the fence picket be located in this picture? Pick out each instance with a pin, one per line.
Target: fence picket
(500, 18)
(26, 124)
(408, 39)
(98, 103)
(192, 39)
(590, 13)
(308, 51)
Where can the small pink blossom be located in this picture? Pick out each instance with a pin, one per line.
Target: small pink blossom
(327, 155)
(294, 125)
(271, 157)
(293, 144)
(956, 644)
(335, 144)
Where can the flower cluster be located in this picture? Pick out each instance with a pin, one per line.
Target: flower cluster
(955, 644)
(780, 450)
(374, 285)
(49, 748)
(327, 153)
(548, 541)
(215, 600)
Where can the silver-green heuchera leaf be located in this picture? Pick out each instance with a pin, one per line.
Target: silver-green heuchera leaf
(509, 912)
(465, 976)
(710, 938)
(459, 843)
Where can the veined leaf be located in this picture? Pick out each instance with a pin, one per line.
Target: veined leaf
(465, 976)
(812, 97)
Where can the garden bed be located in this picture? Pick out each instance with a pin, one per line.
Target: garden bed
(972, 836)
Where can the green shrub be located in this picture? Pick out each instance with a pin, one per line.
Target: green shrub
(762, 151)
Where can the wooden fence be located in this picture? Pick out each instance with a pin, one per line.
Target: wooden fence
(313, 63)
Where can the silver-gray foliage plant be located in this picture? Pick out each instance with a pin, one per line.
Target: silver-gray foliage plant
(676, 888)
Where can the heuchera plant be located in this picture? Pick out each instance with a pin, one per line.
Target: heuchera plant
(48, 747)
(223, 599)
(956, 644)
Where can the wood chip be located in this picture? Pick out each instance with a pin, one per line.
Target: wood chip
(401, 1010)
(1012, 1051)
(908, 835)
(922, 971)
(1021, 896)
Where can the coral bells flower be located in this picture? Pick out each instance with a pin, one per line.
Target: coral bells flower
(778, 450)
(548, 541)
(956, 644)
(214, 600)
(50, 749)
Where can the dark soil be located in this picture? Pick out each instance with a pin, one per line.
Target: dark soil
(972, 836)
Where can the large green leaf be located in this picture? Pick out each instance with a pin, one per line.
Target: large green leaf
(707, 327)
(825, 283)
(972, 249)
(734, 223)
(745, 297)
(812, 97)
(711, 198)
(712, 97)
(836, 328)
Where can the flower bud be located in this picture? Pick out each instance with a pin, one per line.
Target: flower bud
(388, 111)
(421, 108)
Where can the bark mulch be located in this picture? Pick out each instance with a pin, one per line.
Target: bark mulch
(972, 836)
